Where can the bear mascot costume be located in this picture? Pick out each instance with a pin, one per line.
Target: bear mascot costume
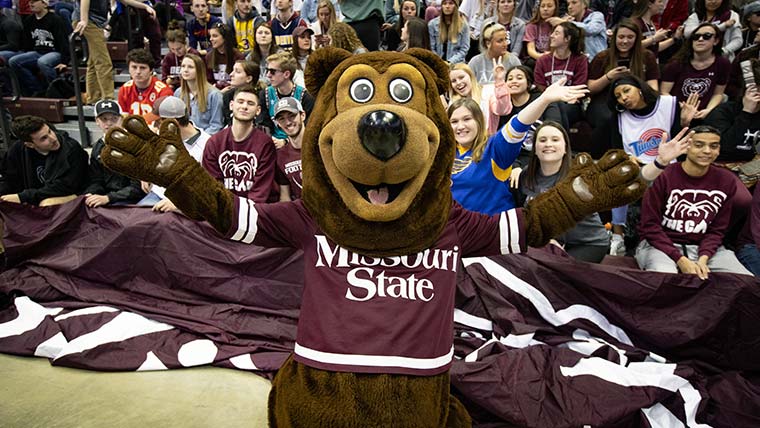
(381, 236)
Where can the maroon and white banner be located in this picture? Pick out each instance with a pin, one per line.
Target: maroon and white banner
(541, 340)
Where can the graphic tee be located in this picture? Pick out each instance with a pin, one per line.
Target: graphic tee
(377, 314)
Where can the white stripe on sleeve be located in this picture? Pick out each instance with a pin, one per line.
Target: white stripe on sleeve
(246, 225)
(509, 232)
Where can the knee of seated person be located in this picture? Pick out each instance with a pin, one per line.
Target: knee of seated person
(58, 200)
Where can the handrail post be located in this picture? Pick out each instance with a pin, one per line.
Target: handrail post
(73, 39)
(15, 95)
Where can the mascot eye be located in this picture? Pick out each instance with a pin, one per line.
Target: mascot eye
(362, 90)
(401, 90)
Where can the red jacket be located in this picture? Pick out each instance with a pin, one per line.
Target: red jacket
(674, 15)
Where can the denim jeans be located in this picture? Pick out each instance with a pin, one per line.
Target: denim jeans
(24, 64)
(749, 256)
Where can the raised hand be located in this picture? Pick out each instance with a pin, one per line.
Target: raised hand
(162, 159)
(557, 91)
(675, 147)
(499, 72)
(689, 108)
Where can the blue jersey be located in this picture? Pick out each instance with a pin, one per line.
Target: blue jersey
(484, 186)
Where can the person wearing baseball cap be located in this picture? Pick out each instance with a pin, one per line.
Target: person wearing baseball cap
(105, 186)
(173, 108)
(289, 115)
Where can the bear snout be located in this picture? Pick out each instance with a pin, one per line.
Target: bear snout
(382, 133)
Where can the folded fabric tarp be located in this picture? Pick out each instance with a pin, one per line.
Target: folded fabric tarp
(541, 340)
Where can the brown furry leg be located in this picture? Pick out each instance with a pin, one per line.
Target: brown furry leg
(302, 396)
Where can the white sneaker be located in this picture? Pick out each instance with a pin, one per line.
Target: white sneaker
(617, 245)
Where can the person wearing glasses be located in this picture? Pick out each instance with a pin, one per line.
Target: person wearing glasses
(719, 13)
(698, 68)
(281, 67)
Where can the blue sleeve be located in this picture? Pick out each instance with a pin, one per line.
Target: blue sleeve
(462, 46)
(215, 123)
(504, 146)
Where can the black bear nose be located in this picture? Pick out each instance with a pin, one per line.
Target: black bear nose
(382, 133)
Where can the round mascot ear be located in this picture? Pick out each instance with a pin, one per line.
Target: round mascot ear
(321, 64)
(439, 66)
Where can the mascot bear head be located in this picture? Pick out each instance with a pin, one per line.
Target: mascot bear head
(378, 149)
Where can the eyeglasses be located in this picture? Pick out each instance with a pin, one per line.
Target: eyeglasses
(702, 36)
(273, 71)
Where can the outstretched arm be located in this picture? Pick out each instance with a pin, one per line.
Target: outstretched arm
(136, 151)
(589, 187)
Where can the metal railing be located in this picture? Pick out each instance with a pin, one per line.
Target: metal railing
(77, 40)
(4, 113)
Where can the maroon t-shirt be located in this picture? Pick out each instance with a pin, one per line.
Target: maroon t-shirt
(247, 168)
(680, 209)
(377, 314)
(289, 170)
(575, 67)
(648, 30)
(687, 80)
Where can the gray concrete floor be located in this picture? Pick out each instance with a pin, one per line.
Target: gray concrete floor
(35, 394)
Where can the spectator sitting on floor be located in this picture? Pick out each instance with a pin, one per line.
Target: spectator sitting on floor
(204, 100)
(290, 116)
(44, 167)
(242, 157)
(106, 187)
(45, 48)
(281, 67)
(550, 162)
(194, 139)
(686, 212)
(138, 95)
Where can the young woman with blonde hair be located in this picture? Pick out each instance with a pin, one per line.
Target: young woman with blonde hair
(203, 100)
(449, 33)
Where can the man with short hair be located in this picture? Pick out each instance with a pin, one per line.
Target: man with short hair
(240, 156)
(284, 23)
(281, 67)
(138, 95)
(44, 167)
(195, 140)
(45, 46)
(105, 186)
(686, 212)
(290, 116)
(199, 25)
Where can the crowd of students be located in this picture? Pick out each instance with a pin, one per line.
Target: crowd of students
(638, 72)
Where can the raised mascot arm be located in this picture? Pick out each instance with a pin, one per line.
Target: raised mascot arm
(162, 159)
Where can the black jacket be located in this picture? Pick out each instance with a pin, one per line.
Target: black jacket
(739, 131)
(65, 171)
(103, 181)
